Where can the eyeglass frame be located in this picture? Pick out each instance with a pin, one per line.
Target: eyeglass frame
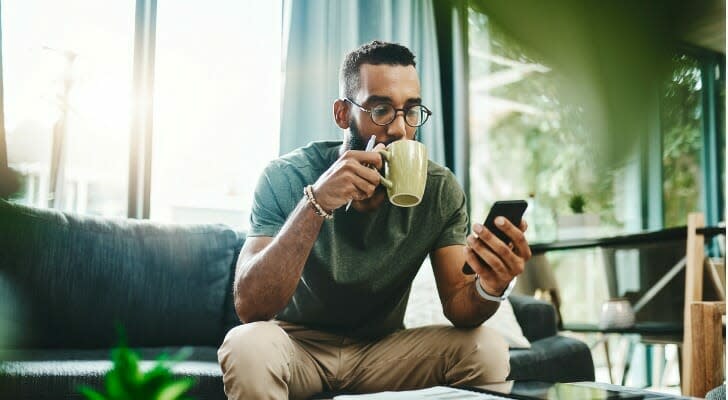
(428, 113)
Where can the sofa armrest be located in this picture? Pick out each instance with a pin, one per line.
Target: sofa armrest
(536, 317)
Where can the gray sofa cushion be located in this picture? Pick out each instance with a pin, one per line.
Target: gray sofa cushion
(56, 374)
(75, 276)
(536, 317)
(553, 359)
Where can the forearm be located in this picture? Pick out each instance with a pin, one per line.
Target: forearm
(466, 308)
(266, 282)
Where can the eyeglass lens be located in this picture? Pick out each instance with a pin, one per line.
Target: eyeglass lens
(384, 114)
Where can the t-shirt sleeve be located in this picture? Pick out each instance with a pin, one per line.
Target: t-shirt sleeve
(454, 213)
(268, 213)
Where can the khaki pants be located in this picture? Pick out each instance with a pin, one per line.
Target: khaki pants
(279, 360)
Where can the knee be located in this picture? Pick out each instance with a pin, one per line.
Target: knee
(254, 343)
(492, 354)
(484, 355)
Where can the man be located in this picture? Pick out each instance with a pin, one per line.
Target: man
(322, 290)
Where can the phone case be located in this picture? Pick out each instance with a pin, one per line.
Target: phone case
(510, 209)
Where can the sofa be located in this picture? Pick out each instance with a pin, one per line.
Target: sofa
(67, 280)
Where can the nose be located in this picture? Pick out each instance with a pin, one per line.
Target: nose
(397, 128)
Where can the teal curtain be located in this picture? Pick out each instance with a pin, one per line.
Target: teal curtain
(317, 36)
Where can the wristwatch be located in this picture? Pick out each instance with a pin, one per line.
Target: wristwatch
(487, 296)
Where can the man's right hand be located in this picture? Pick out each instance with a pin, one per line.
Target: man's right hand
(349, 178)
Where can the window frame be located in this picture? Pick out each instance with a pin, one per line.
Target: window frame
(142, 121)
(712, 66)
(141, 126)
(712, 69)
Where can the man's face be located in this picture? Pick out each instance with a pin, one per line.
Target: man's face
(393, 84)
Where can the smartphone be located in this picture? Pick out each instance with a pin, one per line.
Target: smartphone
(512, 210)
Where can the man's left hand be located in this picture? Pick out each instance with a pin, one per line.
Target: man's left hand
(495, 262)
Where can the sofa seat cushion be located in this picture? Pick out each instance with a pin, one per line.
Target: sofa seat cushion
(76, 276)
(56, 374)
(551, 359)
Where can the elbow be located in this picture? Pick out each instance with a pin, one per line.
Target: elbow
(246, 313)
(467, 319)
(248, 310)
(242, 311)
(462, 323)
(455, 319)
(245, 308)
(465, 324)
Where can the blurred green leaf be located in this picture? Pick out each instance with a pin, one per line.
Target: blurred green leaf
(174, 390)
(90, 393)
(126, 380)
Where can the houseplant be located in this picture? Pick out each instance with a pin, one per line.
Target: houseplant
(126, 380)
(579, 223)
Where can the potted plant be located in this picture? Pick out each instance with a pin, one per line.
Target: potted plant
(126, 380)
(579, 223)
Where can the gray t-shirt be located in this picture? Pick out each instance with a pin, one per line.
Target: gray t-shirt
(357, 279)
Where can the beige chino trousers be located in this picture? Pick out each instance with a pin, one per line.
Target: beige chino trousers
(279, 360)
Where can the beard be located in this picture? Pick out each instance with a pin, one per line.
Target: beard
(353, 139)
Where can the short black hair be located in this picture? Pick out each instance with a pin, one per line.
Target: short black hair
(375, 53)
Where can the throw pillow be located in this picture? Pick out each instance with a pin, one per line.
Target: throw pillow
(424, 308)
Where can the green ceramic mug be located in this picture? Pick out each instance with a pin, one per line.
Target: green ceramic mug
(405, 172)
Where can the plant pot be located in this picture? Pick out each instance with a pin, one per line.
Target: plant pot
(576, 226)
(616, 314)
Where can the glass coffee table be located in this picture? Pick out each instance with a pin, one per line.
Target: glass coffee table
(533, 390)
(525, 390)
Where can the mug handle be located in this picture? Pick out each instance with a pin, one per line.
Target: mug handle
(385, 182)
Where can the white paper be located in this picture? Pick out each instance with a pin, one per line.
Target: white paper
(434, 393)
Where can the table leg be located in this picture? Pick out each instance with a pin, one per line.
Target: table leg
(627, 361)
(609, 362)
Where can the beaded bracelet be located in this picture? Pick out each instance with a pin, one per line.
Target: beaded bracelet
(308, 192)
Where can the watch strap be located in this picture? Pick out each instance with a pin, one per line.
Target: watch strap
(486, 296)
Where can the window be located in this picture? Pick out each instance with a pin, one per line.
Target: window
(68, 79)
(682, 135)
(524, 141)
(67, 70)
(692, 115)
(216, 107)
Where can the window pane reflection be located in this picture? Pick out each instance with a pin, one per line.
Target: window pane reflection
(67, 82)
(527, 143)
(681, 122)
(216, 107)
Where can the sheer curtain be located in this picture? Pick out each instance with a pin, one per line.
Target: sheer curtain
(317, 36)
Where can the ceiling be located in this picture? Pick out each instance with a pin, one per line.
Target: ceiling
(703, 24)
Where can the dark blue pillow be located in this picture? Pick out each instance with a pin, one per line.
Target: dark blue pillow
(75, 276)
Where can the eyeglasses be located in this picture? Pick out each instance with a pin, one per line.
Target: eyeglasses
(383, 114)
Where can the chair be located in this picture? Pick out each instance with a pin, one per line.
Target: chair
(703, 329)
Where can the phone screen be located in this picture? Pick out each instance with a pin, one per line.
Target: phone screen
(510, 209)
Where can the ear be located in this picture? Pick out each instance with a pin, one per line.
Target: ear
(341, 113)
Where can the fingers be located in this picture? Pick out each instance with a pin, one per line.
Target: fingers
(517, 236)
(363, 187)
(350, 178)
(371, 158)
(490, 247)
(492, 259)
(491, 280)
(484, 260)
(360, 164)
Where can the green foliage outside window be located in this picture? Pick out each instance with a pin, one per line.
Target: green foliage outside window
(541, 145)
(681, 122)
